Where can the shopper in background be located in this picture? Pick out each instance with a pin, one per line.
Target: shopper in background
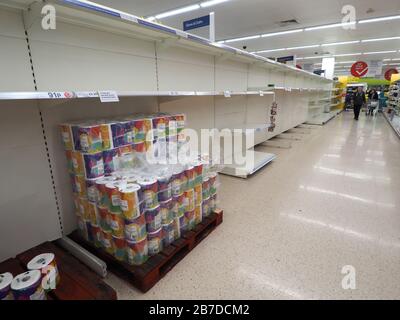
(359, 100)
(372, 102)
(348, 100)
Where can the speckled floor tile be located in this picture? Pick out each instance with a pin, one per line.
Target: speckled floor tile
(331, 200)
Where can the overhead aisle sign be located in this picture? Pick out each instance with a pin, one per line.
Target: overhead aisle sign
(359, 69)
(196, 23)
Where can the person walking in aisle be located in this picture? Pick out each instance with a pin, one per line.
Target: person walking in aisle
(358, 100)
(373, 102)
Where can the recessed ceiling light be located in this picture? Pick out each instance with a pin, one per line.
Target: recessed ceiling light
(339, 43)
(379, 19)
(328, 26)
(380, 39)
(313, 57)
(177, 11)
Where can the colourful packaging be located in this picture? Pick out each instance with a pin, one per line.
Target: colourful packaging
(47, 265)
(168, 234)
(5, 286)
(206, 208)
(28, 286)
(84, 208)
(128, 131)
(180, 203)
(126, 159)
(94, 165)
(106, 136)
(118, 134)
(167, 214)
(82, 228)
(164, 188)
(140, 147)
(113, 197)
(89, 230)
(148, 130)
(117, 225)
(91, 190)
(97, 233)
(102, 190)
(111, 160)
(130, 201)
(213, 183)
(70, 162)
(189, 200)
(177, 229)
(119, 248)
(155, 242)
(213, 203)
(198, 194)
(137, 252)
(139, 134)
(198, 172)
(176, 184)
(80, 185)
(67, 136)
(90, 139)
(159, 127)
(172, 129)
(105, 219)
(93, 213)
(149, 191)
(184, 182)
(107, 242)
(153, 219)
(206, 188)
(135, 230)
(183, 224)
(198, 214)
(175, 207)
(191, 219)
(78, 162)
(190, 175)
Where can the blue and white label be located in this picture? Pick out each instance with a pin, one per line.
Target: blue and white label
(196, 23)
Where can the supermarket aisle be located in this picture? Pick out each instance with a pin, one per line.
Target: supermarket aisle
(332, 200)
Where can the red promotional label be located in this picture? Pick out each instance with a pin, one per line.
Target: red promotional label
(389, 72)
(359, 69)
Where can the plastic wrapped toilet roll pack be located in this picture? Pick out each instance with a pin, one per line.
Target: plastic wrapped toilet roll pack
(127, 206)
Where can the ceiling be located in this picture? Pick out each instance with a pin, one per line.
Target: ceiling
(238, 18)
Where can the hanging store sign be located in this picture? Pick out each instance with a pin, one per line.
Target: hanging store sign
(285, 59)
(196, 23)
(389, 73)
(375, 68)
(359, 69)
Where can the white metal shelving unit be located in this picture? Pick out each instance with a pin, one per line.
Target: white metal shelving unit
(53, 76)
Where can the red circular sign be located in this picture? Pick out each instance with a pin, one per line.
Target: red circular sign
(359, 69)
(389, 72)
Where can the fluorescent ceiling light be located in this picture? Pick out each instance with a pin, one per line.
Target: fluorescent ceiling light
(380, 52)
(314, 57)
(328, 26)
(272, 50)
(281, 32)
(344, 62)
(379, 19)
(177, 11)
(242, 38)
(339, 43)
(151, 18)
(210, 3)
(303, 47)
(347, 54)
(380, 39)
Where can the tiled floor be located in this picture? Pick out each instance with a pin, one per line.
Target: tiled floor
(330, 201)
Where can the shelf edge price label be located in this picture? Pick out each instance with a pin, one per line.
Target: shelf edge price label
(128, 17)
(108, 96)
(261, 94)
(227, 94)
(60, 95)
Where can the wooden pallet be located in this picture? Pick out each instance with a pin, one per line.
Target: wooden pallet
(77, 282)
(144, 277)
